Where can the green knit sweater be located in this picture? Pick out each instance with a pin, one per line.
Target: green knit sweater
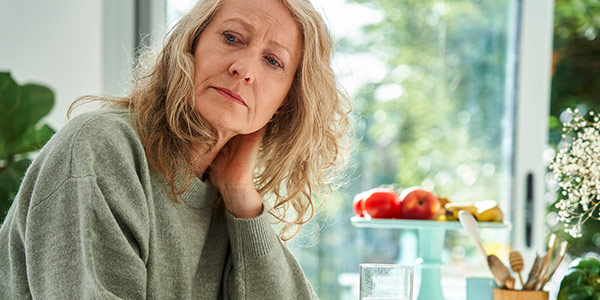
(92, 221)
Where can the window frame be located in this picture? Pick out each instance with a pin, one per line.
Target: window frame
(533, 71)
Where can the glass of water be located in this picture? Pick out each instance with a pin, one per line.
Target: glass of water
(386, 282)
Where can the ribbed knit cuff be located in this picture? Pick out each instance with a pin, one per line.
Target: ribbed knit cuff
(252, 238)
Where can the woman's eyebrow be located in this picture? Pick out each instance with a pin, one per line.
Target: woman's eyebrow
(242, 21)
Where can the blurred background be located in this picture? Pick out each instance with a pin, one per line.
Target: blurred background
(462, 97)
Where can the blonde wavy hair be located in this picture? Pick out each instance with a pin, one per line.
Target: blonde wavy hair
(304, 148)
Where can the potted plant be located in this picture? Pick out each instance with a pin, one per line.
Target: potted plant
(21, 109)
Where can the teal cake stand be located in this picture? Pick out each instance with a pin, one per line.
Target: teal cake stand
(431, 235)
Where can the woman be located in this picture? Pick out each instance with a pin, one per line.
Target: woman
(161, 197)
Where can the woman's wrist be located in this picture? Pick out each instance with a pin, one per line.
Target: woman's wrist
(243, 203)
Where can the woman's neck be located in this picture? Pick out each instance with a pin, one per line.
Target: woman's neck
(203, 157)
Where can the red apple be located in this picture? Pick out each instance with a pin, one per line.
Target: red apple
(418, 203)
(381, 203)
(357, 205)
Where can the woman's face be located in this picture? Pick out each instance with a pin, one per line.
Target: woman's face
(245, 61)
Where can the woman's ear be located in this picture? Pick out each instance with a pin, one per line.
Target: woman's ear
(279, 110)
(283, 104)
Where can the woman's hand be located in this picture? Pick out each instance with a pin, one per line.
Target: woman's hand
(232, 172)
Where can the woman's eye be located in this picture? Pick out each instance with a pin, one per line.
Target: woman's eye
(273, 61)
(230, 37)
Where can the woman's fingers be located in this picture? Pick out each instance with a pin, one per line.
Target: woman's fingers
(249, 146)
(235, 163)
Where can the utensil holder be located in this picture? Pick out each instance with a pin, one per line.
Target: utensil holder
(501, 294)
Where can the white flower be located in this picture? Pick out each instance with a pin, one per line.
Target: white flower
(576, 167)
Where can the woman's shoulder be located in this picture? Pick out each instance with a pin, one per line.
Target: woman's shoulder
(93, 141)
(101, 144)
(108, 121)
(98, 129)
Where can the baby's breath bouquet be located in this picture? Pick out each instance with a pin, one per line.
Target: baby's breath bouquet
(577, 169)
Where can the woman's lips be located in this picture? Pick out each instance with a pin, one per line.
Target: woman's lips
(231, 95)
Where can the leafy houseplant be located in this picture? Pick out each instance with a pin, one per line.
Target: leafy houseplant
(21, 109)
(582, 281)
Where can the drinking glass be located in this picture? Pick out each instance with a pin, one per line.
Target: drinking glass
(386, 282)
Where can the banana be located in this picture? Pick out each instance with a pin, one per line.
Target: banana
(452, 210)
(483, 211)
(488, 211)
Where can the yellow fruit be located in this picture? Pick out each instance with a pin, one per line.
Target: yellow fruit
(452, 210)
(443, 200)
(488, 211)
(483, 211)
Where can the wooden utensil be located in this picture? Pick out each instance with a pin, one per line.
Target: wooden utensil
(469, 223)
(562, 251)
(548, 256)
(516, 264)
(546, 263)
(499, 270)
(509, 283)
(533, 273)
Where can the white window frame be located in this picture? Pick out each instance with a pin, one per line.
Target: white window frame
(531, 125)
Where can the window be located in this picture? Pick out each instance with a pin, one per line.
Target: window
(432, 83)
(434, 86)
(176, 8)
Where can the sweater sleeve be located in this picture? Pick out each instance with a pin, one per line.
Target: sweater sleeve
(261, 266)
(81, 249)
(78, 228)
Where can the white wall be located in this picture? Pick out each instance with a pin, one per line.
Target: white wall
(75, 47)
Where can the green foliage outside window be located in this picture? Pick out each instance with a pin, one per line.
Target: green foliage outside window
(446, 62)
(449, 59)
(438, 118)
(576, 84)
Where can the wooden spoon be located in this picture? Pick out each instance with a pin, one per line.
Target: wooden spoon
(509, 283)
(469, 223)
(499, 270)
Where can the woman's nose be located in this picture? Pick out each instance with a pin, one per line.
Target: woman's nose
(242, 69)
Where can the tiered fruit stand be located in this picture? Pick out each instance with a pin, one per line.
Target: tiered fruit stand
(431, 235)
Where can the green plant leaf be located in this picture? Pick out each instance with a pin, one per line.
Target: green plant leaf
(21, 108)
(10, 180)
(33, 140)
(10, 95)
(38, 101)
(3, 147)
